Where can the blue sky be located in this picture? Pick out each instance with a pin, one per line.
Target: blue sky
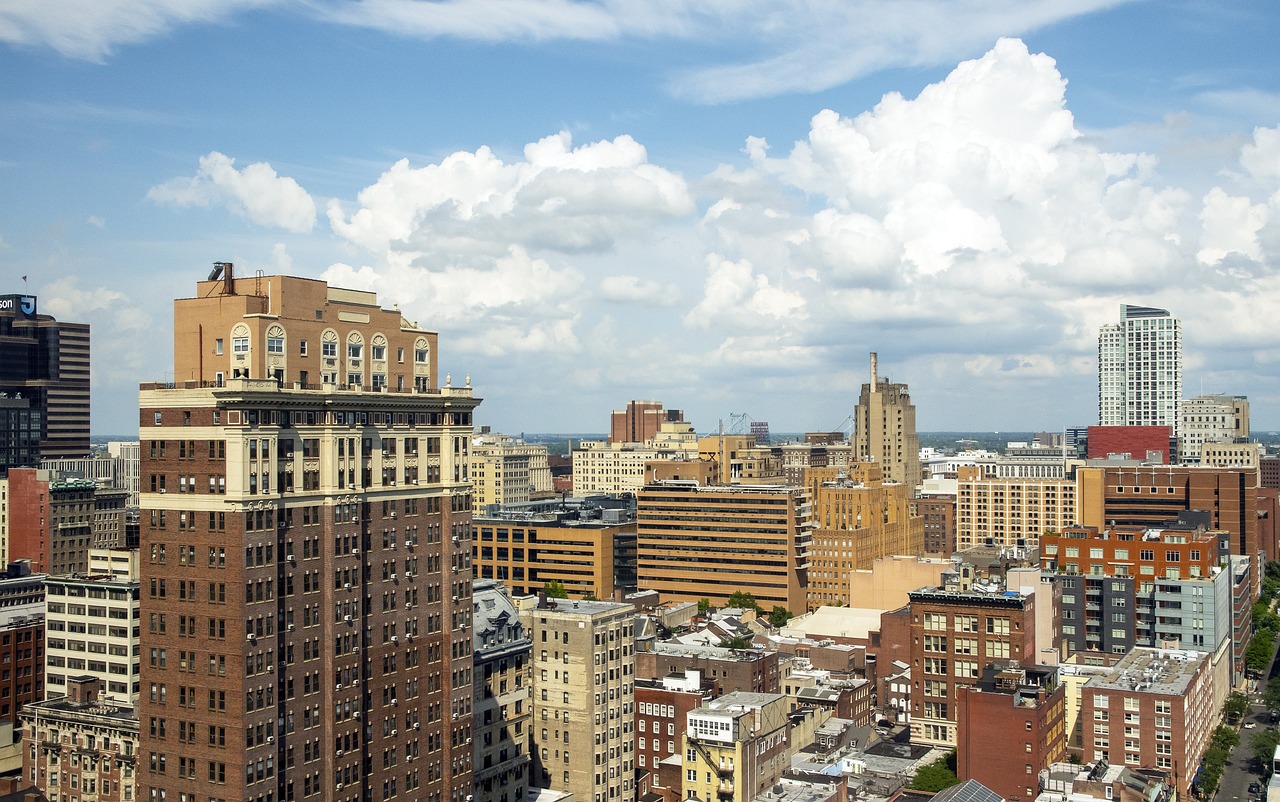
(721, 204)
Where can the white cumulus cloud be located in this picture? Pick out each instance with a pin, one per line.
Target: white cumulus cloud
(256, 193)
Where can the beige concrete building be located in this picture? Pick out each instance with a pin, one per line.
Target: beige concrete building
(885, 430)
(505, 470)
(884, 585)
(613, 468)
(695, 542)
(735, 747)
(858, 518)
(793, 459)
(993, 511)
(525, 551)
(583, 739)
(1211, 419)
(739, 459)
(91, 625)
(1232, 455)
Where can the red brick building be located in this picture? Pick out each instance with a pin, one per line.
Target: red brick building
(1152, 444)
(75, 746)
(1155, 709)
(1012, 725)
(939, 514)
(53, 523)
(731, 669)
(661, 709)
(955, 632)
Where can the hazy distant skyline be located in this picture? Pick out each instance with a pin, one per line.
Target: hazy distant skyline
(723, 205)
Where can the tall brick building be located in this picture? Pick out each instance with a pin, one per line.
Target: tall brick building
(306, 523)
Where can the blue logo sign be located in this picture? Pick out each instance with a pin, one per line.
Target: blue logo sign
(28, 305)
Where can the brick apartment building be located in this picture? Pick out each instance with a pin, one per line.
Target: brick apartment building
(1011, 727)
(731, 669)
(307, 520)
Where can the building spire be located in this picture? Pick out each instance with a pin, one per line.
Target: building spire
(873, 372)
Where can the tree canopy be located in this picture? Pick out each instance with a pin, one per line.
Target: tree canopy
(934, 777)
(555, 590)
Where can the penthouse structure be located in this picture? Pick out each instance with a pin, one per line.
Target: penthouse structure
(526, 550)
(698, 542)
(583, 698)
(885, 429)
(1154, 709)
(858, 518)
(954, 633)
(307, 507)
(730, 669)
(640, 421)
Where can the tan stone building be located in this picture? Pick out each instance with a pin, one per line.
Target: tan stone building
(505, 470)
(858, 518)
(1010, 511)
(695, 542)
(885, 430)
(615, 468)
(583, 739)
(306, 517)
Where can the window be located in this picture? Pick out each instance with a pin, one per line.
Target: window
(328, 348)
(275, 345)
(420, 356)
(379, 352)
(240, 345)
(355, 350)
(217, 346)
(302, 347)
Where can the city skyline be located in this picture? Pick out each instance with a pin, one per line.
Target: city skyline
(719, 206)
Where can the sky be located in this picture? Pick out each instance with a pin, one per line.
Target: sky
(724, 205)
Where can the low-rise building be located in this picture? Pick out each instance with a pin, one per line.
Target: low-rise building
(735, 747)
(80, 746)
(732, 669)
(1011, 726)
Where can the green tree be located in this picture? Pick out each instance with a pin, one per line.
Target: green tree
(1257, 656)
(1271, 694)
(779, 616)
(1237, 705)
(934, 777)
(743, 600)
(555, 590)
(1226, 738)
(704, 606)
(736, 642)
(1264, 743)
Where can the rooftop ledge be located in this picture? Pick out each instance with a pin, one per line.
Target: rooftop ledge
(271, 385)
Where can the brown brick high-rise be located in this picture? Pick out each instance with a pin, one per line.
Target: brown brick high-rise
(309, 636)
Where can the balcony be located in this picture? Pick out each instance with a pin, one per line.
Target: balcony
(725, 789)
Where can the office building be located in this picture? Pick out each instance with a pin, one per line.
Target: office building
(526, 550)
(640, 421)
(583, 736)
(306, 505)
(698, 542)
(82, 745)
(502, 713)
(92, 623)
(46, 363)
(1140, 369)
(1153, 709)
(1212, 419)
(1011, 727)
(1154, 495)
(22, 648)
(885, 430)
(858, 519)
(938, 511)
(601, 467)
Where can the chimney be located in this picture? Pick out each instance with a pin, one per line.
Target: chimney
(84, 689)
(874, 381)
